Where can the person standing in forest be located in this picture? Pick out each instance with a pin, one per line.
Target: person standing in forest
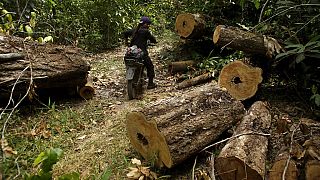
(140, 37)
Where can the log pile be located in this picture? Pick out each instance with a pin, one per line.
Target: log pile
(169, 131)
(25, 64)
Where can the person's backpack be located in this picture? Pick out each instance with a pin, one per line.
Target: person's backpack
(134, 52)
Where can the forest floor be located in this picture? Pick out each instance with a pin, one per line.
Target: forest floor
(92, 133)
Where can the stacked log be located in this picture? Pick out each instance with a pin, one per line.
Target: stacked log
(27, 63)
(169, 131)
(180, 66)
(190, 25)
(241, 80)
(246, 41)
(244, 156)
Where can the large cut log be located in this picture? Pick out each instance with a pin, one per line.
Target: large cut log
(195, 81)
(190, 25)
(171, 130)
(280, 165)
(240, 80)
(243, 157)
(180, 66)
(46, 66)
(249, 42)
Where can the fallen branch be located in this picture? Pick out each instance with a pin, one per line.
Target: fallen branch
(10, 57)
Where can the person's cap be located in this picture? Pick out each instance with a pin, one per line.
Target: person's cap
(145, 19)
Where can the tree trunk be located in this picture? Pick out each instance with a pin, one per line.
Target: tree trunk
(169, 131)
(240, 80)
(48, 66)
(190, 25)
(180, 66)
(244, 157)
(249, 42)
(194, 81)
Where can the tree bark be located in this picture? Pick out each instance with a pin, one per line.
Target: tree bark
(195, 81)
(171, 130)
(190, 25)
(48, 66)
(180, 66)
(249, 42)
(240, 80)
(244, 157)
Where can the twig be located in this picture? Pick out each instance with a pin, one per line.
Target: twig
(18, 167)
(289, 156)
(233, 137)
(212, 167)
(194, 166)
(262, 10)
(25, 7)
(305, 25)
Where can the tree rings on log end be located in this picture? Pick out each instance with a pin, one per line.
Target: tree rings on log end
(277, 169)
(188, 25)
(87, 91)
(234, 168)
(216, 34)
(240, 80)
(147, 140)
(312, 170)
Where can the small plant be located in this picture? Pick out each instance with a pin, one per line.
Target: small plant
(45, 161)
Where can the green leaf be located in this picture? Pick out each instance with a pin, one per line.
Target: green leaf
(294, 45)
(70, 176)
(257, 3)
(52, 158)
(41, 157)
(48, 39)
(316, 99)
(29, 30)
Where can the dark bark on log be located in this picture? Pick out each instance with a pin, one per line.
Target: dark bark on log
(240, 80)
(190, 25)
(180, 66)
(244, 157)
(49, 66)
(195, 81)
(171, 130)
(249, 42)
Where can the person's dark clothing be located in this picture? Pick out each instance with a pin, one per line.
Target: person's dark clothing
(141, 41)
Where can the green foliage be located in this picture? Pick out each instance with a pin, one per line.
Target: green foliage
(46, 160)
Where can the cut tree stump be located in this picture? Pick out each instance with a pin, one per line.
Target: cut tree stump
(235, 38)
(171, 130)
(240, 80)
(180, 66)
(276, 172)
(195, 81)
(244, 156)
(48, 66)
(190, 25)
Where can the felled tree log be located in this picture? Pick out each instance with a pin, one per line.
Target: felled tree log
(180, 66)
(240, 80)
(312, 170)
(249, 42)
(244, 156)
(87, 91)
(277, 170)
(309, 126)
(48, 66)
(190, 25)
(170, 130)
(194, 81)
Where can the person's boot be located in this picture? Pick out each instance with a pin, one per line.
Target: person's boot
(151, 84)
